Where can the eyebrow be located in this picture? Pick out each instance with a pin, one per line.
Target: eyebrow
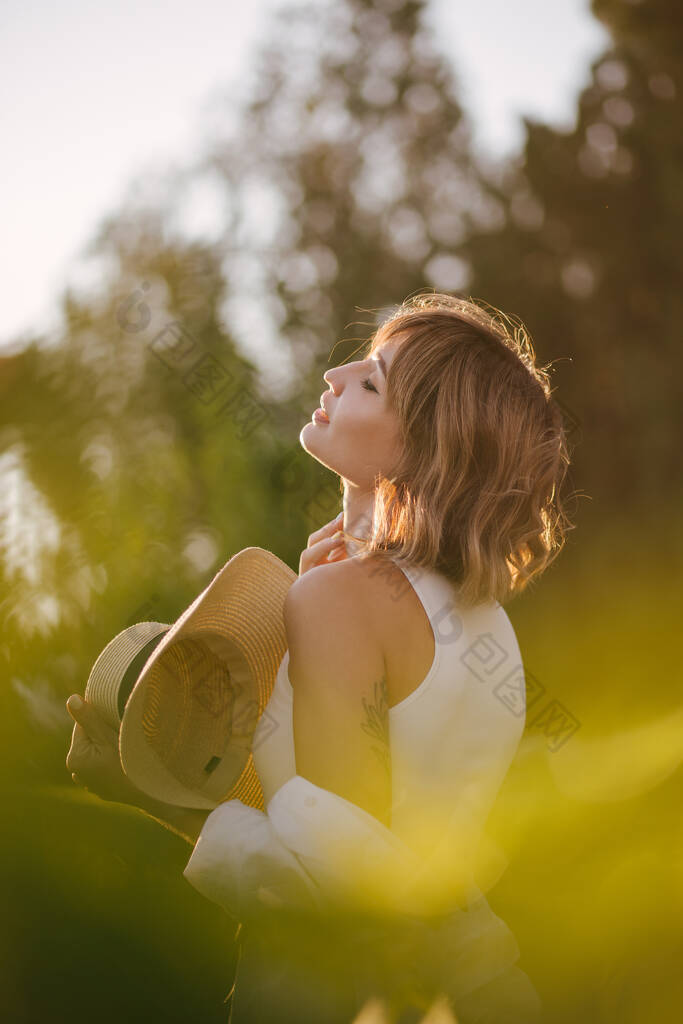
(383, 365)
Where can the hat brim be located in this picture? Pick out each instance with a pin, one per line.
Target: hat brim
(186, 739)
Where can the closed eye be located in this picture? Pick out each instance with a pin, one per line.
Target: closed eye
(369, 386)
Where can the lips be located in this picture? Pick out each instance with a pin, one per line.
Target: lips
(322, 404)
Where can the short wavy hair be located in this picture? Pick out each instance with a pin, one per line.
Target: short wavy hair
(476, 492)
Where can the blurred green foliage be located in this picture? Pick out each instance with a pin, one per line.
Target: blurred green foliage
(144, 447)
(590, 257)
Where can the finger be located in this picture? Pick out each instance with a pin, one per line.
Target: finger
(337, 554)
(79, 782)
(323, 532)
(326, 530)
(73, 705)
(87, 716)
(333, 545)
(323, 547)
(320, 551)
(317, 550)
(80, 749)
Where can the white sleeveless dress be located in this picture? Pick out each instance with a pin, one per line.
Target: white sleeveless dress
(452, 740)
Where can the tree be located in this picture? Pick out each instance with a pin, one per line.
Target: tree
(358, 141)
(148, 437)
(590, 255)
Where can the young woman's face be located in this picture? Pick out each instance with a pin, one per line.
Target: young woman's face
(362, 436)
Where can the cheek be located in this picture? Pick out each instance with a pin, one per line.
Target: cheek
(384, 443)
(387, 432)
(357, 422)
(360, 428)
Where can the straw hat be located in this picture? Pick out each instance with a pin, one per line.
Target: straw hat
(186, 729)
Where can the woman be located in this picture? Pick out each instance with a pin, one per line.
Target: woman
(402, 689)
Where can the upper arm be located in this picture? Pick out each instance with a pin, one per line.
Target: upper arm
(337, 672)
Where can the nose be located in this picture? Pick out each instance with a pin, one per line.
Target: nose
(336, 375)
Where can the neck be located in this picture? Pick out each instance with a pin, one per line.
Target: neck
(358, 509)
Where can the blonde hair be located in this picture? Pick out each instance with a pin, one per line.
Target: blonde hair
(476, 492)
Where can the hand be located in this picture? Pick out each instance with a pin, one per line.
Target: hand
(93, 757)
(322, 544)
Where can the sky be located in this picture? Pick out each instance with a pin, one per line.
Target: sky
(94, 95)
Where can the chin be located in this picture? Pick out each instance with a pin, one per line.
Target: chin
(306, 439)
(305, 432)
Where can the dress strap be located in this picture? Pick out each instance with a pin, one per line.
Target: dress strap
(438, 598)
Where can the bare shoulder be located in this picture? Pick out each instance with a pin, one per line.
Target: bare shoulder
(356, 597)
(349, 577)
(328, 598)
(354, 583)
(331, 601)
